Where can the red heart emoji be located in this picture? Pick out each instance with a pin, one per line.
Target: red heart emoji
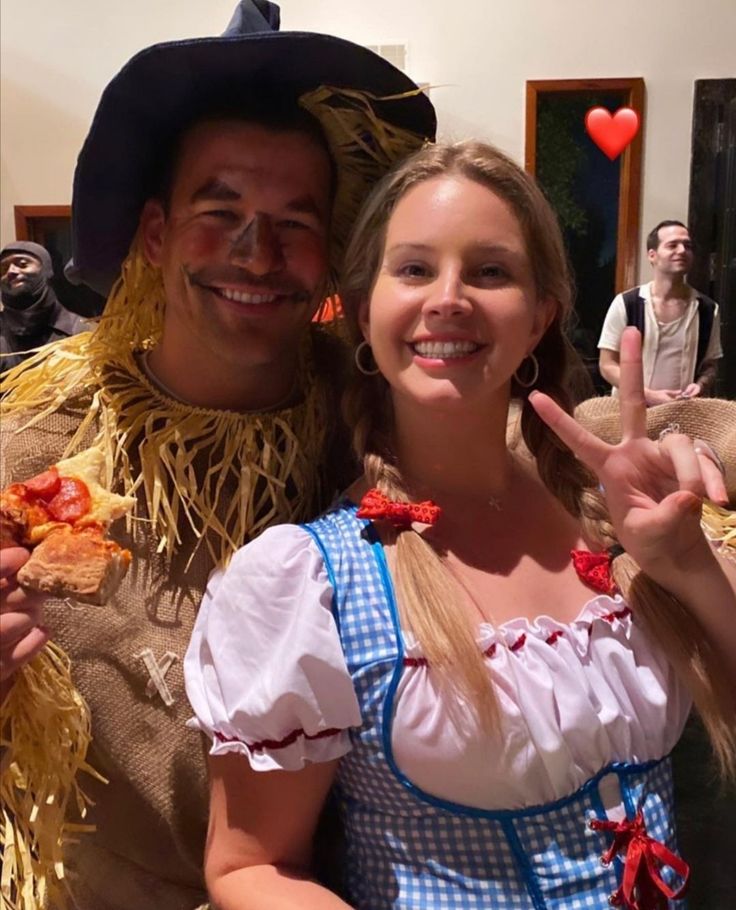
(612, 132)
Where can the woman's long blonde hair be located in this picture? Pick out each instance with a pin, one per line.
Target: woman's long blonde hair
(427, 593)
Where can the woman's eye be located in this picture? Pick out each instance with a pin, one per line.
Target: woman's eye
(413, 270)
(491, 271)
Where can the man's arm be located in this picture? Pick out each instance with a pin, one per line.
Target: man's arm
(705, 382)
(707, 378)
(610, 340)
(608, 364)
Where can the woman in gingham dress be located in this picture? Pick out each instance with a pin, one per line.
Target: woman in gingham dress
(492, 717)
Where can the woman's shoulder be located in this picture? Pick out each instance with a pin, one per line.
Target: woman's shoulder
(276, 554)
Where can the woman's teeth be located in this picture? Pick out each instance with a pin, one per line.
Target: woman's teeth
(444, 349)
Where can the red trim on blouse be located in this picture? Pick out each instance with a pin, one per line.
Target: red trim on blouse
(519, 643)
(609, 617)
(277, 743)
(416, 662)
(521, 640)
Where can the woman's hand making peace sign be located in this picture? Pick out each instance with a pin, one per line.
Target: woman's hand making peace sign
(654, 490)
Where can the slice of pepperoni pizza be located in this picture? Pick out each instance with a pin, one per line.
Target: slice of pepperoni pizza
(63, 515)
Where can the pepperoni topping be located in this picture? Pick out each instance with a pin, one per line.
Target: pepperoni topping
(71, 502)
(45, 486)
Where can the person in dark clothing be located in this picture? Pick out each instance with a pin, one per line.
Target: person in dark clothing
(31, 316)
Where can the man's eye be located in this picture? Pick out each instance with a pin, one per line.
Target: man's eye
(292, 224)
(225, 214)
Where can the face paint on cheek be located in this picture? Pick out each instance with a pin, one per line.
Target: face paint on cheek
(207, 244)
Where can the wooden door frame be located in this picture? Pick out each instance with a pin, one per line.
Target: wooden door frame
(629, 200)
(26, 215)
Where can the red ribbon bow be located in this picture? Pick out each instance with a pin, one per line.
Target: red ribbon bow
(642, 887)
(594, 569)
(377, 505)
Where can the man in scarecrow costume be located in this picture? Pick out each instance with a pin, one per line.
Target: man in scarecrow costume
(212, 198)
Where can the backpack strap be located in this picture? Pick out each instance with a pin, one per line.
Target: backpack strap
(634, 304)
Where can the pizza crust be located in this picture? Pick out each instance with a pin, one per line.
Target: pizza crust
(77, 564)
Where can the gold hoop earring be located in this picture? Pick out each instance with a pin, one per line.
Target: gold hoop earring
(535, 373)
(356, 357)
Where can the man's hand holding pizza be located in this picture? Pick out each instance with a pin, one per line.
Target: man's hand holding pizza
(53, 541)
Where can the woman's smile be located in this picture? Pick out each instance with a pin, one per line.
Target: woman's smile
(441, 351)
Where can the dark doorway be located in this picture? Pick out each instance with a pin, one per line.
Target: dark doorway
(712, 210)
(706, 808)
(596, 199)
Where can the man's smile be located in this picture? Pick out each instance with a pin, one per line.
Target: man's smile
(245, 297)
(245, 290)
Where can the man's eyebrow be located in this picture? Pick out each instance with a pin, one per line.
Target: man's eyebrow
(217, 190)
(305, 205)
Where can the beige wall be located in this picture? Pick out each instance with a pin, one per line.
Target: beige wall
(56, 58)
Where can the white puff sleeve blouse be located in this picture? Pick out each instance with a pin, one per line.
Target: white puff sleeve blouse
(266, 677)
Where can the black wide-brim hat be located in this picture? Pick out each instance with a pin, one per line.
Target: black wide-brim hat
(150, 101)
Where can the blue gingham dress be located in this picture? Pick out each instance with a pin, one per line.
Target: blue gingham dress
(407, 849)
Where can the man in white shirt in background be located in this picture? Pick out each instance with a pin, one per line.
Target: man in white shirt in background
(681, 327)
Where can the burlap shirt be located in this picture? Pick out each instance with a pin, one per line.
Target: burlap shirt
(151, 817)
